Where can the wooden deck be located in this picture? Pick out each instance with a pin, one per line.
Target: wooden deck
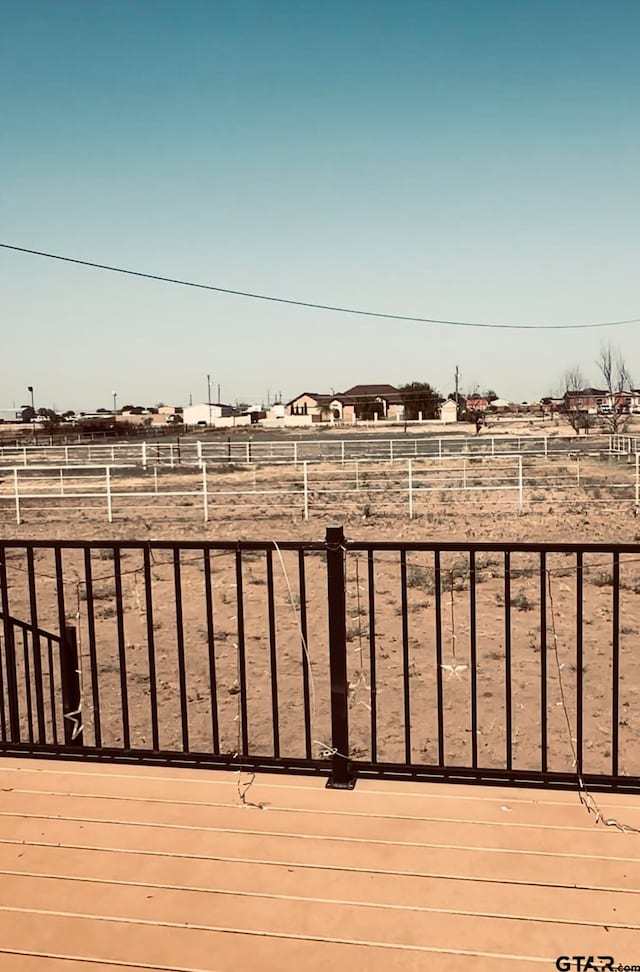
(112, 867)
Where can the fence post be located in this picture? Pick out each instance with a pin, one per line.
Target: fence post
(66, 455)
(205, 495)
(71, 691)
(171, 462)
(108, 483)
(464, 474)
(439, 448)
(391, 452)
(341, 778)
(17, 494)
(342, 452)
(493, 445)
(295, 453)
(577, 470)
(410, 471)
(199, 453)
(546, 446)
(520, 483)
(306, 489)
(144, 455)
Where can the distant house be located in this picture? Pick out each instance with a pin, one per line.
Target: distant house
(359, 402)
(365, 401)
(317, 405)
(475, 403)
(589, 400)
(499, 405)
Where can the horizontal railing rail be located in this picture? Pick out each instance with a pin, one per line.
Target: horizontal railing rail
(488, 662)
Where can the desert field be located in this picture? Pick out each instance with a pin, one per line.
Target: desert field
(392, 663)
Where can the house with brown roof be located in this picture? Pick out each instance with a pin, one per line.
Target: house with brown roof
(366, 401)
(359, 402)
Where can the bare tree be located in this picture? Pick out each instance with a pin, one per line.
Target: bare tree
(617, 379)
(573, 382)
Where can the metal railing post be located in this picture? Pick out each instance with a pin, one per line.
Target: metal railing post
(71, 690)
(410, 472)
(9, 653)
(340, 778)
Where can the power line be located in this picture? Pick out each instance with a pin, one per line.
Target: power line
(312, 305)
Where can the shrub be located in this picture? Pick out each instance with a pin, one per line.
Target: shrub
(522, 602)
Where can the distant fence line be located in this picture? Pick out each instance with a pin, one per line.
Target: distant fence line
(287, 451)
(396, 486)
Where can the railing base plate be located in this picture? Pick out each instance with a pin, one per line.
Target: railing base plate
(334, 784)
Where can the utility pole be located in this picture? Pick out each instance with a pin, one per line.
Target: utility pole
(209, 396)
(457, 387)
(218, 394)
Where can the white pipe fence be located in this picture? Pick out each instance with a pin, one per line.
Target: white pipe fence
(287, 451)
(310, 486)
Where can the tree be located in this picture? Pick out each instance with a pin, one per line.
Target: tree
(490, 395)
(51, 418)
(573, 381)
(420, 397)
(617, 378)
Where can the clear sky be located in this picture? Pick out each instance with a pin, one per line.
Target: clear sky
(468, 160)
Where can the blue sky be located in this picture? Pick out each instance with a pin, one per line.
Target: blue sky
(461, 160)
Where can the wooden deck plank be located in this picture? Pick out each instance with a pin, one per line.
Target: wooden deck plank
(572, 816)
(506, 835)
(428, 895)
(197, 950)
(195, 779)
(297, 923)
(14, 962)
(453, 860)
(239, 878)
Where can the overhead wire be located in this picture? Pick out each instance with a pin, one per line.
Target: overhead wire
(312, 304)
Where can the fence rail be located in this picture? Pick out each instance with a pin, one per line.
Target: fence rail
(397, 486)
(188, 452)
(477, 662)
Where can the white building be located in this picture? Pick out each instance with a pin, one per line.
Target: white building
(449, 412)
(206, 413)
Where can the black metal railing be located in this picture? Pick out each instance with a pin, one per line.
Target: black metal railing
(478, 662)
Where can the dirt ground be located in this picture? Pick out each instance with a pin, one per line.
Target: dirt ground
(554, 517)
